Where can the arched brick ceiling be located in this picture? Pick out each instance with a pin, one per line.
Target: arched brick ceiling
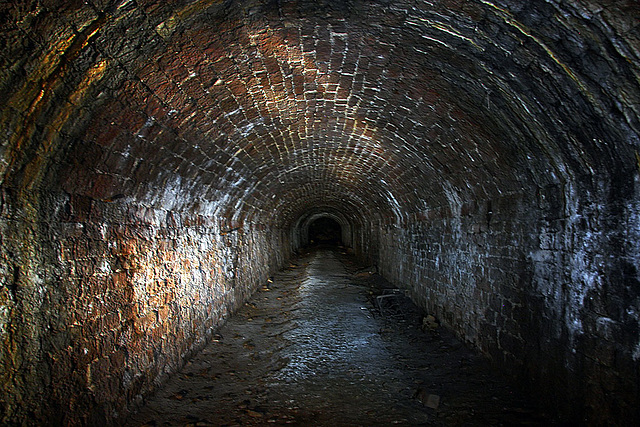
(260, 111)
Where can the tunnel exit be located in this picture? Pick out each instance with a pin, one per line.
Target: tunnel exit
(325, 231)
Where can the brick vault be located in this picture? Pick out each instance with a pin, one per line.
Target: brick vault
(160, 159)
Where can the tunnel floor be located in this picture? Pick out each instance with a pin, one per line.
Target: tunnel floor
(322, 346)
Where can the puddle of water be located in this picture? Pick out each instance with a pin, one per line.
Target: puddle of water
(336, 333)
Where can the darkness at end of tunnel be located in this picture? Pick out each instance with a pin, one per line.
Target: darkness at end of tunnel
(325, 231)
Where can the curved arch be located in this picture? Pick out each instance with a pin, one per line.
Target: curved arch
(301, 229)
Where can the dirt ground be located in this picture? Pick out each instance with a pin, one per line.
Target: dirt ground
(329, 343)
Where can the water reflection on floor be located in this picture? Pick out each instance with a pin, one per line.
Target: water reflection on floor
(312, 349)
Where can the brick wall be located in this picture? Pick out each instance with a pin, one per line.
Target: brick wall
(119, 295)
(541, 283)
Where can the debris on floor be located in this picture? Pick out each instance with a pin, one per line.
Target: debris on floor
(429, 323)
(325, 345)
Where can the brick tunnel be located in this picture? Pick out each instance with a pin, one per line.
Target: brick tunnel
(161, 159)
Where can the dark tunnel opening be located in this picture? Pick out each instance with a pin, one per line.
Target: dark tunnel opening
(325, 231)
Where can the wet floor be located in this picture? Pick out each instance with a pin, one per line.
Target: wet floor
(328, 344)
